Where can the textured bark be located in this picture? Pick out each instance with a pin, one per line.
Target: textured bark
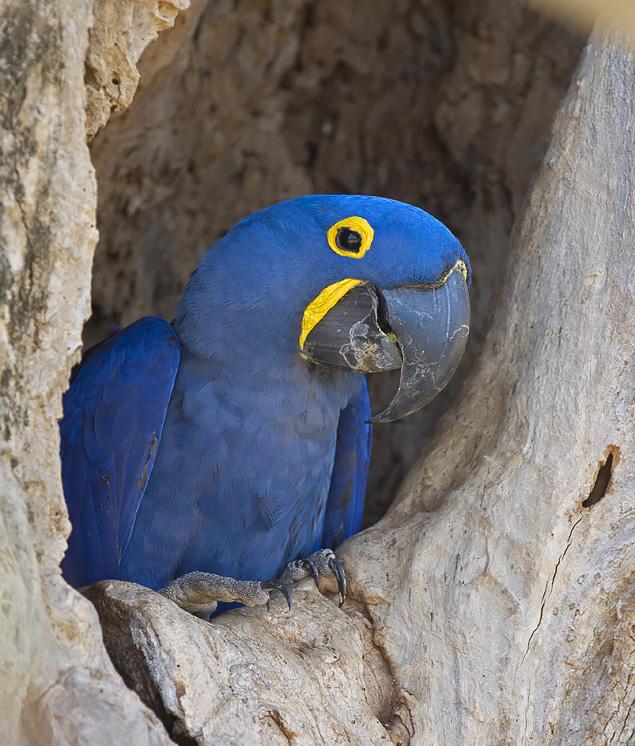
(57, 684)
(121, 30)
(495, 602)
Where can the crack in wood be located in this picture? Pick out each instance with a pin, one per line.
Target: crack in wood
(400, 727)
(549, 586)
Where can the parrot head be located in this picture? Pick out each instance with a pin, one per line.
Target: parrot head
(350, 282)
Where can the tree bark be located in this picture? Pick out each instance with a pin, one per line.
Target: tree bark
(495, 602)
(57, 684)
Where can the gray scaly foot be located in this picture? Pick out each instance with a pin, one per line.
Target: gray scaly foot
(317, 565)
(200, 592)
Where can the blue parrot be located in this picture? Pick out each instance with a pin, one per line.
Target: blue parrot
(219, 457)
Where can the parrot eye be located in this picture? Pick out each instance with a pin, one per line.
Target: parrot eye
(351, 237)
(348, 240)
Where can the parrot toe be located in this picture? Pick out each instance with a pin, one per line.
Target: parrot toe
(318, 565)
(200, 592)
(277, 585)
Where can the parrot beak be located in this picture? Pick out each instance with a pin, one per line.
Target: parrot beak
(422, 330)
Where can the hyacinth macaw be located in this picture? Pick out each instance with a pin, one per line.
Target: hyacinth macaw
(221, 456)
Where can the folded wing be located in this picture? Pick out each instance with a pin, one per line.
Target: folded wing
(113, 418)
(345, 504)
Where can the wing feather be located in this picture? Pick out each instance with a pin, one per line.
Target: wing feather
(113, 418)
(347, 493)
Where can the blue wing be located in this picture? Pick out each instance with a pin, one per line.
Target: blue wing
(345, 504)
(114, 412)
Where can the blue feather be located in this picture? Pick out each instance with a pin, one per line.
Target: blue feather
(113, 418)
(345, 505)
(210, 444)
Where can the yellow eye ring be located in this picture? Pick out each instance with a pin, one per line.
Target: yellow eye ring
(355, 232)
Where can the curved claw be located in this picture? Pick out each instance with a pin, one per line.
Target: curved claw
(338, 571)
(277, 585)
(315, 574)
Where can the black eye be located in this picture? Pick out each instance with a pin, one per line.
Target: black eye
(348, 240)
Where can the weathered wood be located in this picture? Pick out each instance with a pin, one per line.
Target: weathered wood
(57, 684)
(525, 598)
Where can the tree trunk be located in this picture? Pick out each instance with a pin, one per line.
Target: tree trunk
(57, 684)
(494, 603)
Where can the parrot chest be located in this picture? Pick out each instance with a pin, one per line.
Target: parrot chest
(242, 475)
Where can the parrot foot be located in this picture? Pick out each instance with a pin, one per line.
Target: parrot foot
(200, 592)
(317, 565)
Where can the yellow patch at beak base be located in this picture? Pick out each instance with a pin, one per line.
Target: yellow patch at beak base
(322, 304)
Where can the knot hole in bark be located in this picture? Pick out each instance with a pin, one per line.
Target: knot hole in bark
(603, 477)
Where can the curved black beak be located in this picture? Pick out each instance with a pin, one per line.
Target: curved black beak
(423, 330)
(432, 326)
